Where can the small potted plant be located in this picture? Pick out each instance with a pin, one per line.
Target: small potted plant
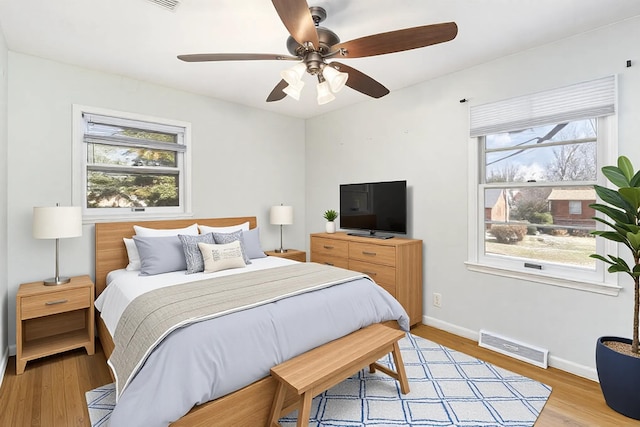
(617, 359)
(330, 215)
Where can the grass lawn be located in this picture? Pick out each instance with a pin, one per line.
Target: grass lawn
(561, 249)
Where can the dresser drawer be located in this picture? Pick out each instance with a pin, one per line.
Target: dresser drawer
(373, 253)
(329, 260)
(383, 275)
(330, 247)
(56, 302)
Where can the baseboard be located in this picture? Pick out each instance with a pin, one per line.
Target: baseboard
(554, 361)
(3, 364)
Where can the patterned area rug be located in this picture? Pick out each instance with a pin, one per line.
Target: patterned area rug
(448, 388)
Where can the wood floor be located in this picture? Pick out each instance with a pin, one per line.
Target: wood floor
(51, 391)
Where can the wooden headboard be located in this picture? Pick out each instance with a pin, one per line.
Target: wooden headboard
(111, 253)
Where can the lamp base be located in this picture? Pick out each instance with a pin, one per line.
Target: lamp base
(281, 251)
(54, 281)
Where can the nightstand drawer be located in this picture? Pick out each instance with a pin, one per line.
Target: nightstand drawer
(59, 301)
(329, 247)
(373, 253)
(383, 275)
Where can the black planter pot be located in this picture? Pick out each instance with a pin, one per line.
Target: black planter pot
(619, 377)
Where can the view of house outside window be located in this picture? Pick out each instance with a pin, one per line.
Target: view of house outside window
(536, 185)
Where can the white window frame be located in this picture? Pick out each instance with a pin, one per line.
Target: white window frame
(136, 120)
(575, 207)
(597, 281)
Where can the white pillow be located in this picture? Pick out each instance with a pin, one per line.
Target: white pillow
(230, 229)
(221, 257)
(191, 230)
(132, 253)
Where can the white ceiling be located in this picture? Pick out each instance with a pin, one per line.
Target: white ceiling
(140, 39)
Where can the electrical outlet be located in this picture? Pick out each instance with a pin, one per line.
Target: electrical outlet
(437, 299)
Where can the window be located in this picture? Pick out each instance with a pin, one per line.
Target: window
(132, 165)
(536, 160)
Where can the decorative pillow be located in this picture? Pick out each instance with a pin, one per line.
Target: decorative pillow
(191, 230)
(221, 257)
(229, 229)
(222, 238)
(251, 241)
(192, 254)
(132, 254)
(160, 254)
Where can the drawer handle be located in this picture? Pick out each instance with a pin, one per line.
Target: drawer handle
(328, 247)
(328, 263)
(369, 273)
(369, 253)
(60, 301)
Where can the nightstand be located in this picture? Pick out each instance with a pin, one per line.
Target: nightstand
(293, 254)
(53, 319)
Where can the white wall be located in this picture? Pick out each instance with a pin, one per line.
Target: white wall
(4, 296)
(421, 134)
(244, 160)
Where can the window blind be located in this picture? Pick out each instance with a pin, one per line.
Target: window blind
(594, 98)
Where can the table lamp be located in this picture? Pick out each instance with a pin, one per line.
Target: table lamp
(57, 222)
(281, 215)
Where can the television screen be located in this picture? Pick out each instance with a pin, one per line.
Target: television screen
(374, 206)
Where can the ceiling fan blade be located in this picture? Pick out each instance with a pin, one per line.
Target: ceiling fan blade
(398, 41)
(277, 94)
(202, 57)
(296, 17)
(360, 81)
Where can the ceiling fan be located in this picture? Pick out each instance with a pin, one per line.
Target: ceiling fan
(313, 45)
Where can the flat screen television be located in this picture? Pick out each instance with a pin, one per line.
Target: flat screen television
(373, 207)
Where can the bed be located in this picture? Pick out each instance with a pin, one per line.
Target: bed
(248, 405)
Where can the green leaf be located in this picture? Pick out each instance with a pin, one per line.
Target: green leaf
(626, 167)
(617, 269)
(631, 195)
(619, 261)
(635, 181)
(634, 240)
(613, 197)
(601, 258)
(615, 214)
(620, 228)
(616, 176)
(611, 235)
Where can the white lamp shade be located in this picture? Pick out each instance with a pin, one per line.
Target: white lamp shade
(57, 222)
(281, 215)
(294, 90)
(335, 78)
(294, 74)
(324, 94)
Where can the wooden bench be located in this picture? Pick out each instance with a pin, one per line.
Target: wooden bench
(317, 370)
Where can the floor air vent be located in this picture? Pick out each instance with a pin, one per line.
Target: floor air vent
(525, 352)
(167, 4)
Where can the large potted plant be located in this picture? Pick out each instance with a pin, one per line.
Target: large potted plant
(617, 359)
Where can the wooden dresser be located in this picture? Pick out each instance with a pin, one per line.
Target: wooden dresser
(395, 264)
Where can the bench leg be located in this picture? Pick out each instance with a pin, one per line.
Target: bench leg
(402, 374)
(305, 410)
(276, 406)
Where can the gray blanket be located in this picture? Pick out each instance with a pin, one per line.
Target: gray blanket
(152, 316)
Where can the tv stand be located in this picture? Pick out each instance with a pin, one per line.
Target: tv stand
(395, 264)
(372, 234)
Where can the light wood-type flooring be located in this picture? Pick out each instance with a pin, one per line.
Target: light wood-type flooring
(50, 393)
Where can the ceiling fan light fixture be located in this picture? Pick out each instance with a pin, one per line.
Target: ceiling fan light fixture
(335, 78)
(294, 90)
(324, 93)
(294, 74)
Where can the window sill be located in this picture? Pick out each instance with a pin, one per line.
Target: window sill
(595, 287)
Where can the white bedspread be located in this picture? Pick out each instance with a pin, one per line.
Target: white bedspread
(124, 286)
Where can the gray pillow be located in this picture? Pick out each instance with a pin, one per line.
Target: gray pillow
(160, 254)
(222, 238)
(251, 240)
(192, 254)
